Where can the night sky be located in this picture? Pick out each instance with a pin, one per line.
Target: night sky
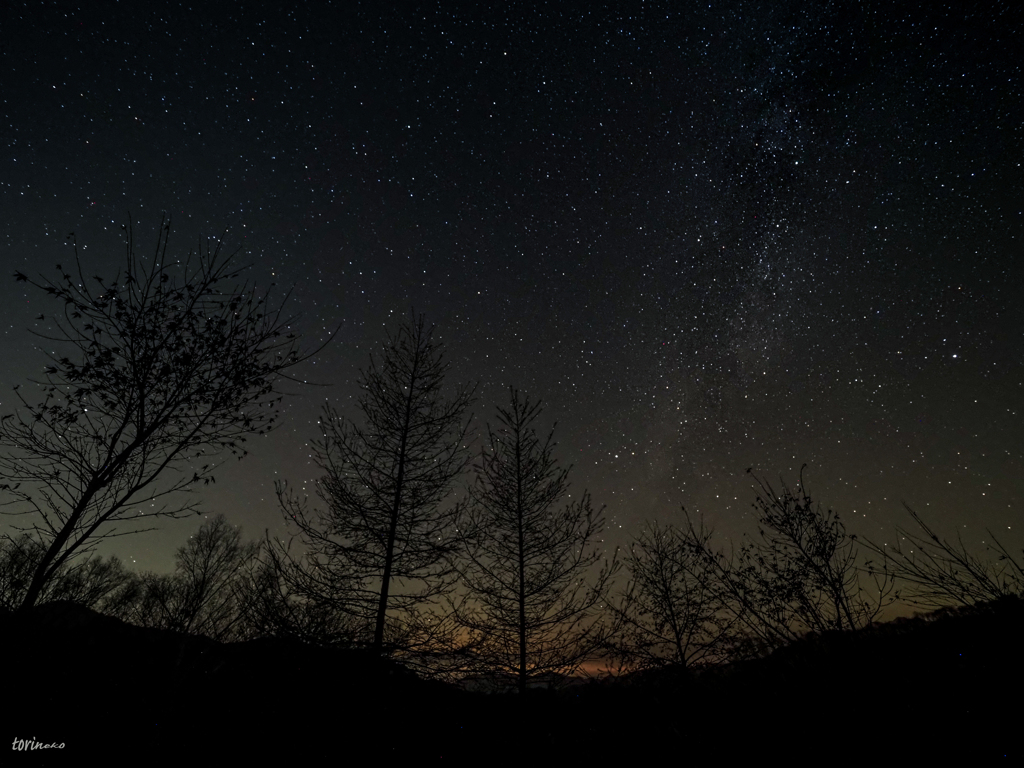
(708, 237)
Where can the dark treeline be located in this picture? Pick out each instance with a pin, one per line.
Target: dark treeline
(680, 602)
(419, 553)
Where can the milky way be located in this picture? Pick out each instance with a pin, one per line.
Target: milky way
(744, 235)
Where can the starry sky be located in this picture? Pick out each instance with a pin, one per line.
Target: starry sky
(708, 236)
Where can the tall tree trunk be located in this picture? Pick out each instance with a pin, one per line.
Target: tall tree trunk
(522, 571)
(389, 553)
(52, 559)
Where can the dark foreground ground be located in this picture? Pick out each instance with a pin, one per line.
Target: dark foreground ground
(947, 686)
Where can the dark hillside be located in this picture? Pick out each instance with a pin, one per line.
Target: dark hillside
(945, 685)
(108, 688)
(942, 685)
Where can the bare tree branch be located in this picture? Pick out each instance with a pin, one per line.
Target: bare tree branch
(672, 611)
(160, 368)
(528, 562)
(382, 547)
(802, 574)
(941, 572)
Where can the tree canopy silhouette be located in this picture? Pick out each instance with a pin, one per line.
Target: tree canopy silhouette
(802, 573)
(161, 367)
(940, 572)
(207, 594)
(93, 581)
(387, 485)
(672, 611)
(531, 591)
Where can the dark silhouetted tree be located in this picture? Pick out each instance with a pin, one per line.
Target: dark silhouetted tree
(205, 593)
(382, 546)
(672, 611)
(528, 560)
(159, 368)
(92, 581)
(940, 572)
(803, 573)
(277, 600)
